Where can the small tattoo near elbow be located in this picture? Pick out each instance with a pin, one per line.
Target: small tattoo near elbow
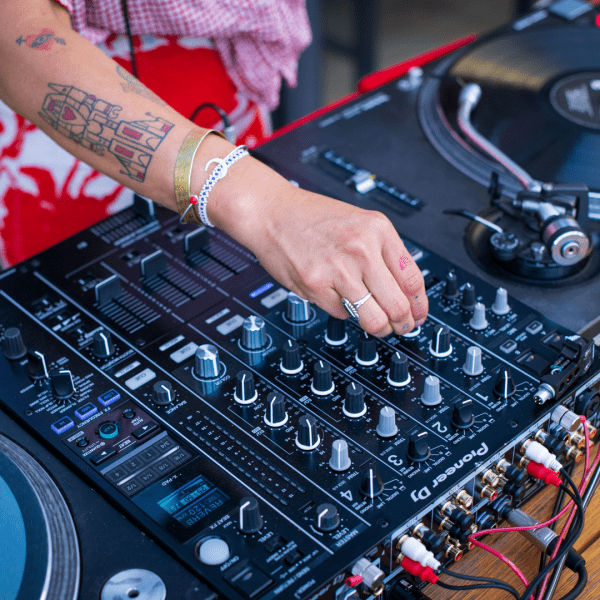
(41, 41)
(137, 87)
(94, 124)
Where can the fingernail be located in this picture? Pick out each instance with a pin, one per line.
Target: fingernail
(420, 322)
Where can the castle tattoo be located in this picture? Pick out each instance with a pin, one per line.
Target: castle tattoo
(94, 124)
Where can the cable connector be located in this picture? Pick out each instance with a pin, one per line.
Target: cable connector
(544, 474)
(535, 452)
(418, 570)
(353, 580)
(417, 551)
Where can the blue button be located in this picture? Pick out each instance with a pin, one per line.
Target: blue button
(83, 412)
(109, 397)
(63, 425)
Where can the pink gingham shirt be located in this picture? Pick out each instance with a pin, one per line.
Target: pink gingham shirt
(259, 41)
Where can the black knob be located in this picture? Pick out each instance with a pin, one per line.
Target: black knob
(462, 413)
(418, 446)
(505, 384)
(371, 485)
(440, 345)
(297, 309)
(336, 332)
(354, 401)
(467, 300)
(307, 437)
(366, 354)
(291, 363)
(250, 518)
(36, 364)
(102, 344)
(451, 287)
(62, 384)
(245, 390)
(276, 414)
(398, 375)
(328, 518)
(13, 344)
(254, 333)
(322, 381)
(163, 393)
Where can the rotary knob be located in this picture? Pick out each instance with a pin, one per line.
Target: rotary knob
(371, 485)
(307, 436)
(206, 362)
(467, 300)
(36, 364)
(254, 334)
(387, 422)
(354, 401)
(367, 355)
(276, 414)
(291, 363)
(505, 384)
(163, 393)
(340, 458)
(500, 306)
(418, 446)
(440, 345)
(297, 309)
(328, 518)
(398, 375)
(451, 286)
(13, 345)
(62, 384)
(478, 321)
(322, 382)
(250, 517)
(473, 365)
(102, 344)
(431, 395)
(336, 332)
(462, 413)
(245, 390)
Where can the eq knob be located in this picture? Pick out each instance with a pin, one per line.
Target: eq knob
(473, 365)
(250, 517)
(322, 382)
(354, 401)
(254, 334)
(62, 384)
(467, 300)
(387, 422)
(291, 363)
(505, 384)
(340, 458)
(36, 365)
(328, 518)
(307, 436)
(163, 393)
(297, 309)
(276, 414)
(478, 321)
(371, 485)
(440, 345)
(367, 355)
(418, 446)
(102, 344)
(462, 413)
(398, 375)
(206, 362)
(500, 306)
(336, 332)
(451, 286)
(13, 345)
(431, 395)
(245, 389)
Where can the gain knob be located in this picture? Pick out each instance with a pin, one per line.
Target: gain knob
(418, 446)
(431, 395)
(254, 334)
(372, 484)
(307, 436)
(276, 414)
(354, 401)
(340, 458)
(102, 344)
(163, 393)
(336, 332)
(291, 363)
(206, 362)
(387, 422)
(478, 321)
(245, 390)
(398, 375)
(328, 518)
(322, 382)
(500, 306)
(62, 384)
(462, 413)
(467, 300)
(505, 384)
(367, 355)
(250, 517)
(440, 345)
(13, 345)
(36, 364)
(451, 286)
(297, 309)
(473, 365)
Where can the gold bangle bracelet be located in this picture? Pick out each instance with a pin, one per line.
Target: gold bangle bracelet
(183, 172)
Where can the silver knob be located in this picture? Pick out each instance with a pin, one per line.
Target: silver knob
(254, 335)
(206, 361)
(387, 422)
(473, 365)
(431, 392)
(478, 320)
(500, 306)
(297, 309)
(340, 459)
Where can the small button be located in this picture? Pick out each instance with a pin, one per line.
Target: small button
(99, 457)
(534, 327)
(148, 476)
(165, 444)
(137, 381)
(274, 544)
(109, 397)
(293, 556)
(62, 425)
(149, 454)
(251, 581)
(162, 467)
(180, 456)
(508, 347)
(117, 474)
(144, 430)
(128, 413)
(134, 464)
(108, 430)
(131, 487)
(213, 551)
(83, 412)
(82, 442)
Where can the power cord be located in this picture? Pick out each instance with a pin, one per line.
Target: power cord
(228, 129)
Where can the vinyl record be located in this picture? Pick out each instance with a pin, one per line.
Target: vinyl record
(540, 104)
(39, 552)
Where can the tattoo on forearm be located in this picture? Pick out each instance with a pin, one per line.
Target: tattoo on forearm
(94, 124)
(41, 41)
(135, 86)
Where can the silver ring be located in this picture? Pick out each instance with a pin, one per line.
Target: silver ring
(352, 307)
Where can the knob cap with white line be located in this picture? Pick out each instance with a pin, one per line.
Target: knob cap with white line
(250, 517)
(328, 518)
(102, 344)
(336, 332)
(500, 306)
(367, 355)
(387, 422)
(163, 393)
(276, 414)
(398, 375)
(372, 484)
(354, 401)
(505, 385)
(478, 321)
(307, 436)
(340, 459)
(36, 365)
(62, 384)
(462, 413)
(291, 363)
(418, 446)
(440, 345)
(245, 390)
(431, 395)
(322, 382)
(473, 365)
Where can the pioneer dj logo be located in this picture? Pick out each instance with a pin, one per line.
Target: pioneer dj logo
(425, 492)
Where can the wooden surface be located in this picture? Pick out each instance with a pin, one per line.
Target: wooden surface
(513, 545)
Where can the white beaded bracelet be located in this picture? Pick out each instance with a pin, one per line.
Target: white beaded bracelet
(201, 200)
